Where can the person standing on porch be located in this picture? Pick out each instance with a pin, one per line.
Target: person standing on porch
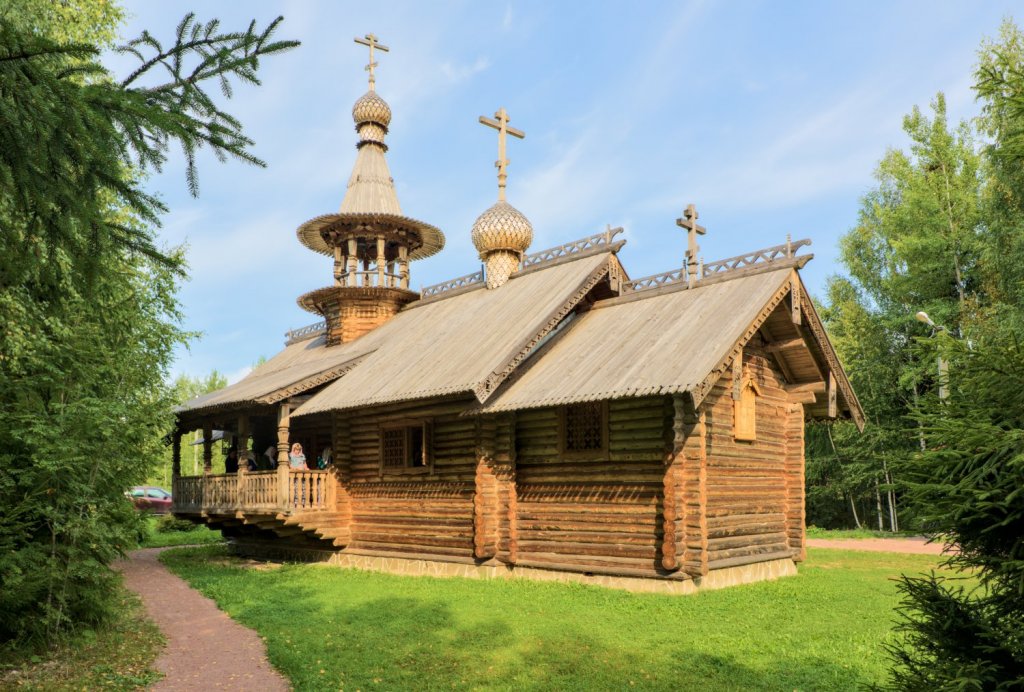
(270, 457)
(297, 461)
(296, 458)
(231, 462)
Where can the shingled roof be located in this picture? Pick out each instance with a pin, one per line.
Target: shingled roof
(467, 343)
(661, 341)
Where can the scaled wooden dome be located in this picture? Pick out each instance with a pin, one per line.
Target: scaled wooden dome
(502, 227)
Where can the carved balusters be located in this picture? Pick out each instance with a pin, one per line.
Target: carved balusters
(283, 424)
(381, 261)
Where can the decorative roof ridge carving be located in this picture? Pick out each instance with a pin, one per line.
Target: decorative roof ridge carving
(766, 259)
(552, 257)
(310, 331)
(594, 243)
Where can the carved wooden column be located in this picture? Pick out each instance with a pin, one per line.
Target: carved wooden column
(207, 447)
(283, 424)
(353, 259)
(381, 261)
(242, 444)
(403, 265)
(338, 265)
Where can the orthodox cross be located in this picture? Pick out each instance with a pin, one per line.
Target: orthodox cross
(371, 41)
(689, 222)
(500, 123)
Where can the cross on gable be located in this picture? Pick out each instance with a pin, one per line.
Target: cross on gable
(373, 42)
(500, 123)
(689, 222)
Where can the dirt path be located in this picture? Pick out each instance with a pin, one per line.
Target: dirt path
(914, 545)
(206, 650)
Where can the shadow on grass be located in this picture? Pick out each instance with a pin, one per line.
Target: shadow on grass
(406, 643)
(328, 629)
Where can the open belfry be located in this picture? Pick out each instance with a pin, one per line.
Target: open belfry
(547, 416)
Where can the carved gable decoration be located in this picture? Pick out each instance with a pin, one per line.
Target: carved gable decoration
(745, 411)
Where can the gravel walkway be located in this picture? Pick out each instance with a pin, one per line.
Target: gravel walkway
(913, 545)
(206, 650)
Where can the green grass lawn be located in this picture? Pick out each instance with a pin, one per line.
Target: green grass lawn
(815, 532)
(198, 535)
(328, 628)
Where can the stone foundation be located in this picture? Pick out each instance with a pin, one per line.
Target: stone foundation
(417, 567)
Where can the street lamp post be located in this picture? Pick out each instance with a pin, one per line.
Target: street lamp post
(922, 316)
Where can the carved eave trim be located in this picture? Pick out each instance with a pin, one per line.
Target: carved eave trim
(817, 328)
(821, 340)
(701, 391)
(485, 389)
(309, 382)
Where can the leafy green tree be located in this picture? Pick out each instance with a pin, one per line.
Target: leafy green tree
(183, 388)
(87, 296)
(917, 246)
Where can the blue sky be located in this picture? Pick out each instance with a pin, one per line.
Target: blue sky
(769, 116)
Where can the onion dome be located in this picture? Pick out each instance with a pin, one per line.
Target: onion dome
(501, 235)
(371, 108)
(502, 227)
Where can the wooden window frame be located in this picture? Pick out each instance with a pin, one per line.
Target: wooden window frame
(427, 468)
(585, 454)
(740, 412)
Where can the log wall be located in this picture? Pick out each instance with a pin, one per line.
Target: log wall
(427, 513)
(754, 490)
(674, 493)
(600, 514)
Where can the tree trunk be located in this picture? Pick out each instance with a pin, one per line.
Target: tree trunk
(878, 505)
(853, 508)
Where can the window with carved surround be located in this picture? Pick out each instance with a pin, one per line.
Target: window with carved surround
(584, 430)
(406, 448)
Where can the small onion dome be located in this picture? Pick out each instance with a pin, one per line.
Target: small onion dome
(502, 227)
(371, 108)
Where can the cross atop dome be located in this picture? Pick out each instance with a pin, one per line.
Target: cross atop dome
(500, 123)
(501, 234)
(372, 41)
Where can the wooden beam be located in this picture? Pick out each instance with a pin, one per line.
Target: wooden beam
(814, 387)
(833, 407)
(783, 345)
(794, 299)
(802, 398)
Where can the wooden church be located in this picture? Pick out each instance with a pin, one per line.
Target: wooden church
(547, 416)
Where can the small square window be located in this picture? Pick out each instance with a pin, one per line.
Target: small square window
(585, 430)
(405, 447)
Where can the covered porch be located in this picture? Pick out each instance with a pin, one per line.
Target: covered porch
(282, 500)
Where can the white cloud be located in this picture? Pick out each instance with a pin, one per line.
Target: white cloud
(455, 74)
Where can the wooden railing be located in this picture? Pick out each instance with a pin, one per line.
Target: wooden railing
(283, 490)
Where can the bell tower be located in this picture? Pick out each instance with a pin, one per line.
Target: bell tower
(369, 239)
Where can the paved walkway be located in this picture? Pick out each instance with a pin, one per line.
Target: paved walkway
(915, 545)
(206, 650)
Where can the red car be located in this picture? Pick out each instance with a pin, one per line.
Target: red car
(149, 498)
